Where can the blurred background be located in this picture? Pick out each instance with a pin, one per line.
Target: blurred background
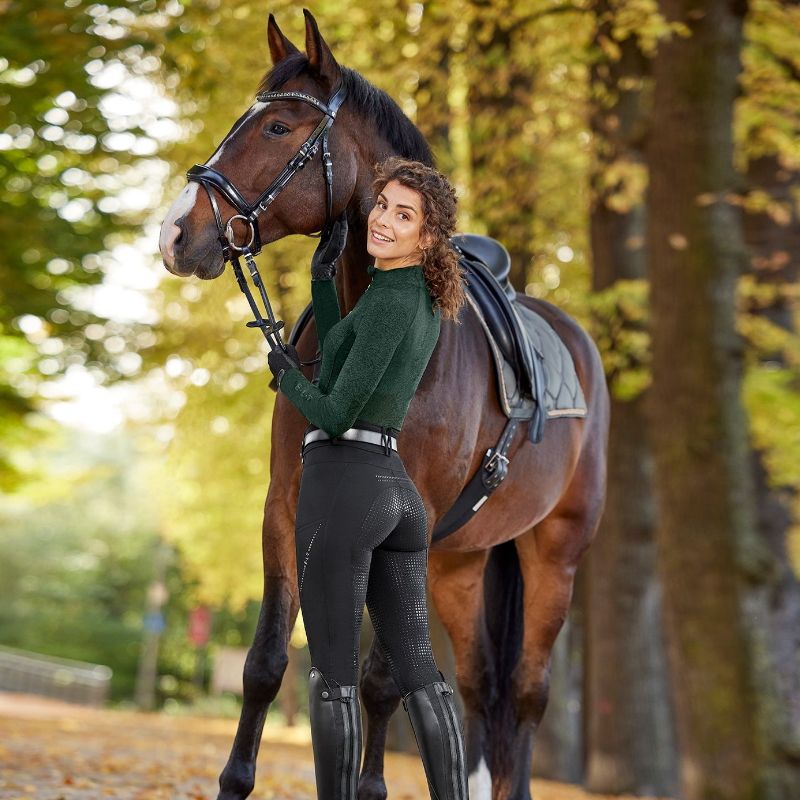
(640, 161)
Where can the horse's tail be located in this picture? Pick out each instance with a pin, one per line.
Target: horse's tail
(503, 606)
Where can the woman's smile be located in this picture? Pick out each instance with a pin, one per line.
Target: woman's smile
(380, 238)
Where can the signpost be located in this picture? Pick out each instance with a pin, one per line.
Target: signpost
(199, 633)
(157, 596)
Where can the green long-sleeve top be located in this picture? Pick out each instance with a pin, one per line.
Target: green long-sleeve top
(372, 359)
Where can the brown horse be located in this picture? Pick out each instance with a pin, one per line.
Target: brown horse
(501, 584)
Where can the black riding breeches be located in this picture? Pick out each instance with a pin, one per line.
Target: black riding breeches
(361, 535)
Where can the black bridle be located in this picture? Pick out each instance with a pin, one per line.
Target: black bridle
(210, 179)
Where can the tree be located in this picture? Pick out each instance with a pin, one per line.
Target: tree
(630, 738)
(713, 565)
(78, 131)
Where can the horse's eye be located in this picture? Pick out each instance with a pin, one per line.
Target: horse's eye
(277, 129)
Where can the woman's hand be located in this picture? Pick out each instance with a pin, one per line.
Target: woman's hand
(279, 361)
(330, 247)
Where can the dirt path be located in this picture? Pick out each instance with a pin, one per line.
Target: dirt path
(56, 751)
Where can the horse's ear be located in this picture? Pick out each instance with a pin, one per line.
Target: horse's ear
(320, 58)
(279, 45)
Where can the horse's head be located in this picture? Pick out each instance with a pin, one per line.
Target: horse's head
(258, 147)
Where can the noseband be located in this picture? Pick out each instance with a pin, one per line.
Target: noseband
(213, 181)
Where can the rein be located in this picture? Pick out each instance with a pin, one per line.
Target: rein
(213, 181)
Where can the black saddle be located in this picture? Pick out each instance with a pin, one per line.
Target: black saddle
(487, 264)
(491, 253)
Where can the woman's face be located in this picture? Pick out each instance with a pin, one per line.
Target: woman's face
(394, 226)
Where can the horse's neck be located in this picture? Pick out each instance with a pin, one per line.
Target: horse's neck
(352, 278)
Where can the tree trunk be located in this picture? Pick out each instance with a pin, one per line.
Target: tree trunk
(630, 738)
(711, 559)
(630, 744)
(774, 245)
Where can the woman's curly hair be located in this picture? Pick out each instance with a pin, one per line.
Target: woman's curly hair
(443, 274)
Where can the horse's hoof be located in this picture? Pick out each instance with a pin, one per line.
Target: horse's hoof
(236, 786)
(372, 787)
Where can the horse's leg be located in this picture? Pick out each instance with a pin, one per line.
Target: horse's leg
(456, 582)
(548, 558)
(267, 658)
(380, 698)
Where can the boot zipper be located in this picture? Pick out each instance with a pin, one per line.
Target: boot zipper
(450, 734)
(458, 752)
(346, 753)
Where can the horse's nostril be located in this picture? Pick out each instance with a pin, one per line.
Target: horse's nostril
(178, 238)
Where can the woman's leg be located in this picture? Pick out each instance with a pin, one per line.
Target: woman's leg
(336, 737)
(332, 603)
(397, 603)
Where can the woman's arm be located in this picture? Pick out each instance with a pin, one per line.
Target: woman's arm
(385, 321)
(323, 270)
(325, 302)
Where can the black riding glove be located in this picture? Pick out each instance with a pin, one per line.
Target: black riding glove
(330, 247)
(279, 361)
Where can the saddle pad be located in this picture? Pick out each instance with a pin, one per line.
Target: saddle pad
(563, 393)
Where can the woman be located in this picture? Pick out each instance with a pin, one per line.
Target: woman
(361, 527)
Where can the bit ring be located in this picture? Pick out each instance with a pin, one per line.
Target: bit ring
(231, 236)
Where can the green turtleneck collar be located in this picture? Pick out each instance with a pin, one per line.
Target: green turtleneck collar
(410, 273)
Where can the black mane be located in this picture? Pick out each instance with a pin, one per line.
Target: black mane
(403, 136)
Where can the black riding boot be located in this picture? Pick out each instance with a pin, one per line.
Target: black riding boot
(335, 716)
(440, 740)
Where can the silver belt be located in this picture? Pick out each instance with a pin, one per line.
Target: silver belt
(357, 434)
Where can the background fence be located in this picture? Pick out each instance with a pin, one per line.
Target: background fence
(61, 678)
